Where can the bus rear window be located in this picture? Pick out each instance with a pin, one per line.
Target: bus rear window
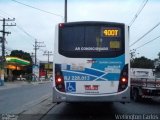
(88, 40)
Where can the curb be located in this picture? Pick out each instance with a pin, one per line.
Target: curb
(26, 107)
(38, 111)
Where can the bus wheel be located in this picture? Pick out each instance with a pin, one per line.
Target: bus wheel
(131, 94)
(135, 95)
(58, 103)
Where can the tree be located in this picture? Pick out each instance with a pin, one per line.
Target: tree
(132, 54)
(157, 62)
(142, 62)
(159, 55)
(23, 55)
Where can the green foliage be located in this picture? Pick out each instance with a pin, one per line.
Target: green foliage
(21, 54)
(159, 55)
(142, 62)
(158, 68)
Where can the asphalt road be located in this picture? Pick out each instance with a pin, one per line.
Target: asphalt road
(18, 99)
(145, 110)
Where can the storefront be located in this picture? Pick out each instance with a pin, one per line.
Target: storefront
(14, 64)
(46, 69)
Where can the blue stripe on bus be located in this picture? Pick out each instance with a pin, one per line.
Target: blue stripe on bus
(112, 76)
(78, 76)
(102, 63)
(87, 71)
(93, 72)
(71, 76)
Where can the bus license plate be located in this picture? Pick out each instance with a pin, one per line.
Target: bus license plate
(91, 87)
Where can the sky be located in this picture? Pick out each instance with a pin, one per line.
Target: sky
(41, 25)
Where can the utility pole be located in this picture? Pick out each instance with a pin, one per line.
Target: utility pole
(3, 45)
(48, 53)
(32, 56)
(65, 11)
(36, 47)
(35, 67)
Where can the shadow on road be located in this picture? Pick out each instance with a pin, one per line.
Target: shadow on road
(83, 111)
(151, 102)
(103, 111)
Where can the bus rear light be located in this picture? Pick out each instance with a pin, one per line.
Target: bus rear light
(60, 83)
(59, 80)
(123, 81)
(61, 25)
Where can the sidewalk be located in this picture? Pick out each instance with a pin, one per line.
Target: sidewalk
(15, 84)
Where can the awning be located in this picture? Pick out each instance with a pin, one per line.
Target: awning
(17, 61)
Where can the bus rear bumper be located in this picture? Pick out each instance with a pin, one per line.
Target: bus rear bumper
(68, 97)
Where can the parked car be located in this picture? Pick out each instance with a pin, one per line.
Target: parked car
(21, 78)
(42, 78)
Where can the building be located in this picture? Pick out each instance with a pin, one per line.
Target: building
(45, 69)
(12, 65)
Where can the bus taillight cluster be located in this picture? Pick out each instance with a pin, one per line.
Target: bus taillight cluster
(59, 80)
(123, 82)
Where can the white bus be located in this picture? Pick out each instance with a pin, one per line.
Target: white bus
(91, 62)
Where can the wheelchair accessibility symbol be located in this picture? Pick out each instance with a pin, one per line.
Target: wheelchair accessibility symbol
(70, 86)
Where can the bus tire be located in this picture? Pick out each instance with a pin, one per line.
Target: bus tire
(136, 96)
(131, 93)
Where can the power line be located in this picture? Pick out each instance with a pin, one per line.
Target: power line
(145, 34)
(8, 48)
(148, 42)
(42, 50)
(2, 15)
(37, 8)
(6, 14)
(20, 32)
(36, 47)
(20, 28)
(138, 12)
